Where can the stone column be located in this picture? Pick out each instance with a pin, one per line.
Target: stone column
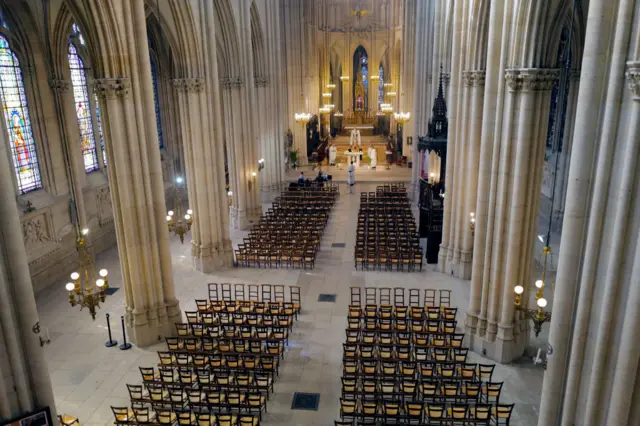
(63, 95)
(241, 152)
(476, 322)
(211, 246)
(24, 376)
(565, 154)
(514, 220)
(600, 99)
(454, 144)
(137, 188)
(474, 81)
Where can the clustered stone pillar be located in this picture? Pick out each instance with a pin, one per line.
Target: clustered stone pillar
(241, 154)
(592, 375)
(211, 246)
(512, 225)
(137, 192)
(24, 376)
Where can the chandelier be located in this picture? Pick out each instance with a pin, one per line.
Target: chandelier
(331, 86)
(326, 95)
(386, 108)
(539, 315)
(344, 77)
(175, 218)
(86, 289)
(338, 114)
(402, 117)
(302, 117)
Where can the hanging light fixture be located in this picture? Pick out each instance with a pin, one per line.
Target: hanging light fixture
(326, 95)
(402, 117)
(331, 86)
(175, 220)
(87, 288)
(302, 117)
(538, 315)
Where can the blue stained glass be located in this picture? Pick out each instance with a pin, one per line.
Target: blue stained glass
(83, 111)
(16, 113)
(156, 101)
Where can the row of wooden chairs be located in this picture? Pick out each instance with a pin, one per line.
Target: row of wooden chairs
(384, 295)
(386, 311)
(144, 416)
(236, 294)
(420, 413)
(388, 260)
(249, 332)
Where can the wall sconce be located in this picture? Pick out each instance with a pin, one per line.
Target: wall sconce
(260, 164)
(252, 180)
(230, 197)
(344, 77)
(331, 86)
(472, 222)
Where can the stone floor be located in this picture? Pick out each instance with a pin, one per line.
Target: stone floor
(88, 377)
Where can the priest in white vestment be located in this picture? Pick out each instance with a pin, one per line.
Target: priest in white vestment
(333, 152)
(373, 157)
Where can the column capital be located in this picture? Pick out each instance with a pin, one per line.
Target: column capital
(59, 85)
(195, 84)
(261, 82)
(232, 82)
(633, 78)
(474, 77)
(531, 79)
(112, 87)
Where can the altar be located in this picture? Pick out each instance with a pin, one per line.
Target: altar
(353, 156)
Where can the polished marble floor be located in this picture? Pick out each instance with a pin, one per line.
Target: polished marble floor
(88, 377)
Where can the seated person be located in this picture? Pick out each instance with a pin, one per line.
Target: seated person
(301, 177)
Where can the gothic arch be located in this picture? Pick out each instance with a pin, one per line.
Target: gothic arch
(227, 34)
(257, 43)
(537, 27)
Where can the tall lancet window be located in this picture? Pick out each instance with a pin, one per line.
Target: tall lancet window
(83, 111)
(156, 100)
(16, 114)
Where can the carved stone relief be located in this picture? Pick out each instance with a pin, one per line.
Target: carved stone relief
(104, 207)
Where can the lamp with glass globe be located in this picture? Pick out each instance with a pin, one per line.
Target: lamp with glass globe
(539, 316)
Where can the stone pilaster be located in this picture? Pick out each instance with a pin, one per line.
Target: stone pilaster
(63, 95)
(211, 246)
(25, 384)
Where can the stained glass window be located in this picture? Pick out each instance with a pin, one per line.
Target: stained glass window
(156, 101)
(16, 114)
(83, 110)
(77, 33)
(99, 120)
